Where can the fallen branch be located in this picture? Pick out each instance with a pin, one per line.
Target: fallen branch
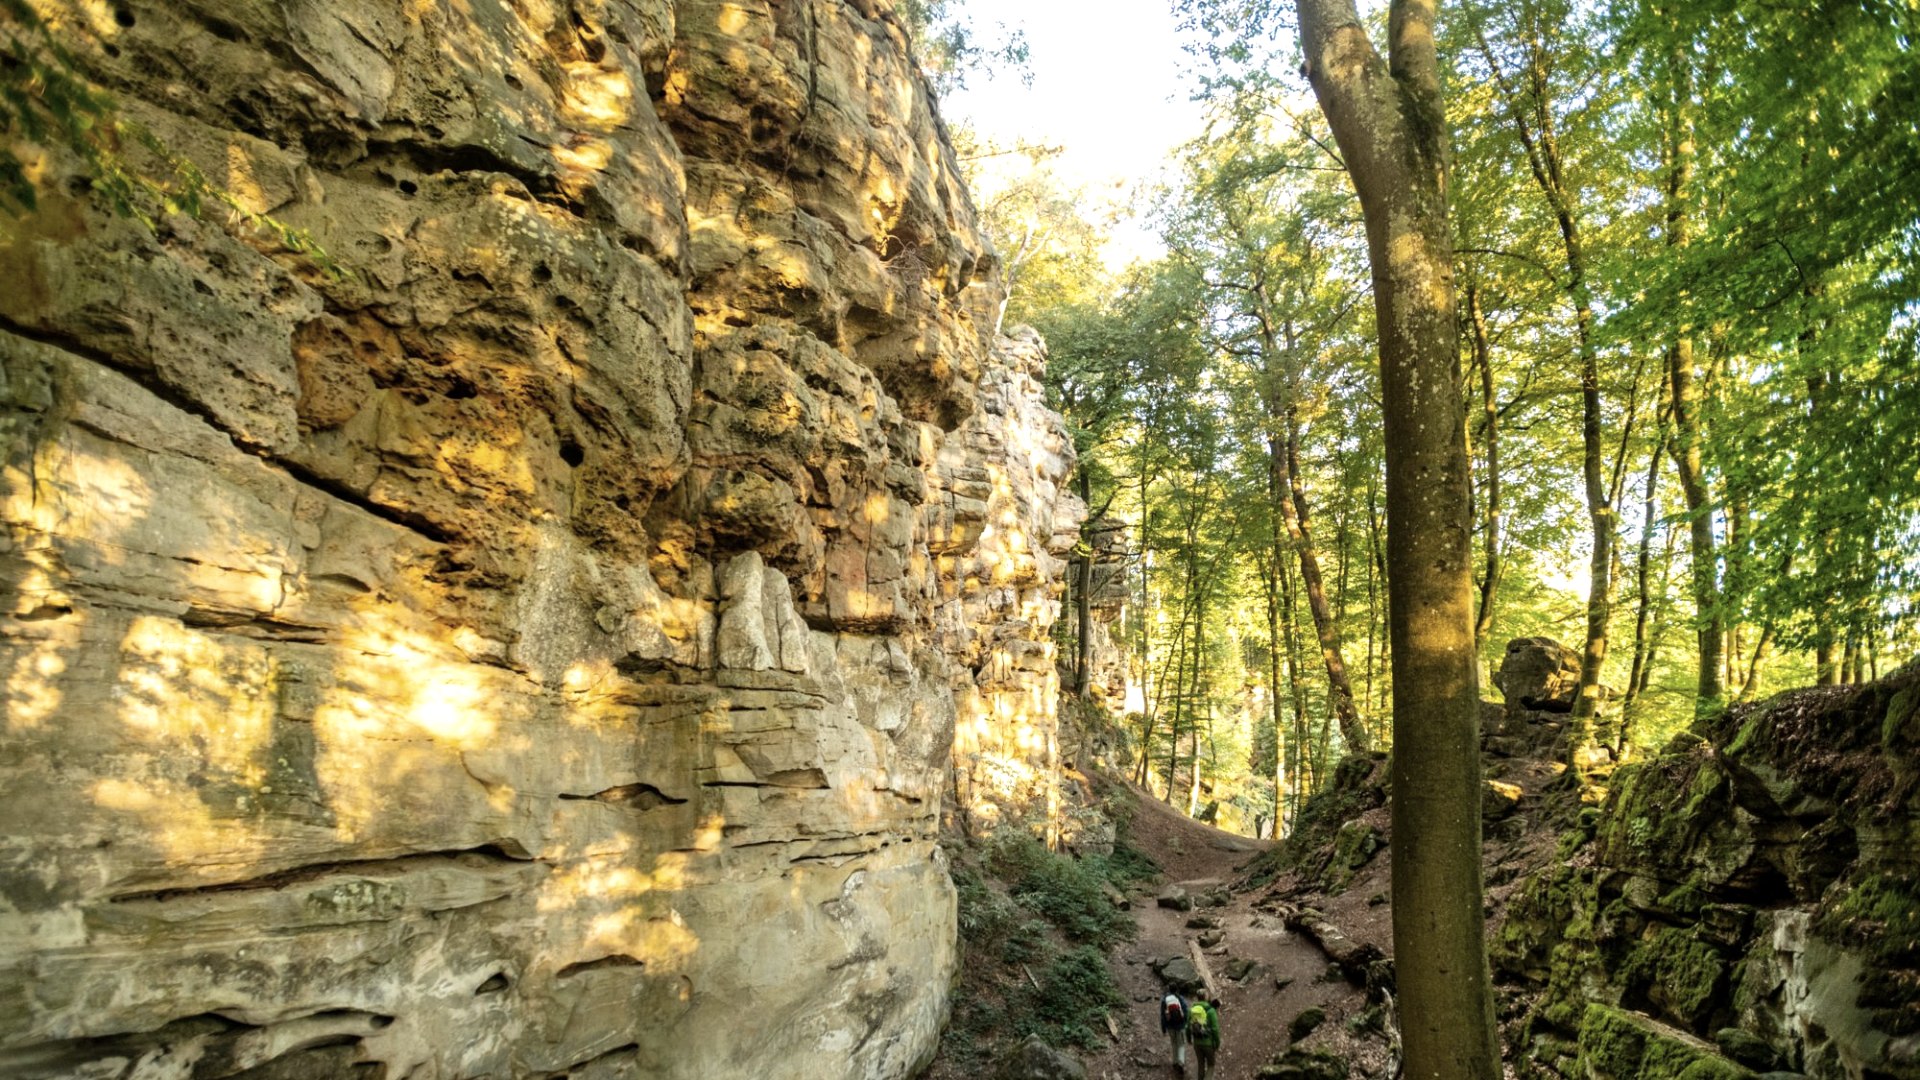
(1352, 956)
(1200, 964)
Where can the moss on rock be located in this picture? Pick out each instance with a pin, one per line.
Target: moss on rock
(1616, 1044)
(1685, 977)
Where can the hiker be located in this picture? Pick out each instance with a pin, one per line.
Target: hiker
(1203, 1030)
(1173, 1021)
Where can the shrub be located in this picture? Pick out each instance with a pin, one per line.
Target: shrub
(1067, 892)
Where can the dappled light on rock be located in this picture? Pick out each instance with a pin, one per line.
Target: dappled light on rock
(526, 642)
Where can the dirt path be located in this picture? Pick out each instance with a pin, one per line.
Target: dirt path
(1286, 978)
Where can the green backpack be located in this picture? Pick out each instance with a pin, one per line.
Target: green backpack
(1202, 1026)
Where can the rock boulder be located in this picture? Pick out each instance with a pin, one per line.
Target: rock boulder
(1539, 673)
(1035, 1060)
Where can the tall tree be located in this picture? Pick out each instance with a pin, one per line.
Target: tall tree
(1389, 121)
(1273, 289)
(1677, 152)
(1525, 86)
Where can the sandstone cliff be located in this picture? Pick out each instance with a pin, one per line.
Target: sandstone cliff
(537, 649)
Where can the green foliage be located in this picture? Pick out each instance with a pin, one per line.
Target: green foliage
(1127, 865)
(1065, 891)
(43, 100)
(46, 101)
(1077, 989)
(1030, 916)
(951, 48)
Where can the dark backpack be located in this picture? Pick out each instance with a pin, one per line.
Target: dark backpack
(1171, 1014)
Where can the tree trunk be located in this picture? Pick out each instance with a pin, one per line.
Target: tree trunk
(1192, 703)
(1643, 574)
(1826, 672)
(1389, 121)
(1280, 740)
(1490, 415)
(1083, 604)
(1684, 401)
(1146, 624)
(1179, 693)
(1282, 746)
(1293, 511)
(1306, 773)
(1541, 143)
(1750, 686)
(1693, 487)
(1376, 587)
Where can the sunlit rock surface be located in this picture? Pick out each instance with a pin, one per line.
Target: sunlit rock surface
(535, 650)
(1002, 526)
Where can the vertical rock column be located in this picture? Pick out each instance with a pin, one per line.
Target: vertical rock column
(1001, 527)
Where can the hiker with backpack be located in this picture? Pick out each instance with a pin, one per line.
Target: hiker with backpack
(1203, 1031)
(1173, 1021)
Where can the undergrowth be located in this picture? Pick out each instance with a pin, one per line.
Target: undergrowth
(1035, 930)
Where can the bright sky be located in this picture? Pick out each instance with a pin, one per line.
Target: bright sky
(1110, 85)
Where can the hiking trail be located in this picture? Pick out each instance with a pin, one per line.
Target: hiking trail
(1289, 973)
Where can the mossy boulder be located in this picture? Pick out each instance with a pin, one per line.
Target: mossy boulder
(1684, 977)
(1748, 1049)
(1354, 846)
(1033, 1059)
(1616, 1044)
(1877, 917)
(1685, 827)
(1304, 1065)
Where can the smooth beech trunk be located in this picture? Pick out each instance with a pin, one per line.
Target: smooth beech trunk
(1490, 421)
(1284, 462)
(1684, 400)
(1533, 124)
(1388, 119)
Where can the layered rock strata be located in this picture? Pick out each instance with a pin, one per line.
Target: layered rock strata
(1004, 530)
(530, 649)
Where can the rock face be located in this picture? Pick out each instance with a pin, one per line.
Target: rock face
(1747, 900)
(534, 648)
(1003, 525)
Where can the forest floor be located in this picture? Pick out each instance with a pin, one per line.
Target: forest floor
(1289, 975)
